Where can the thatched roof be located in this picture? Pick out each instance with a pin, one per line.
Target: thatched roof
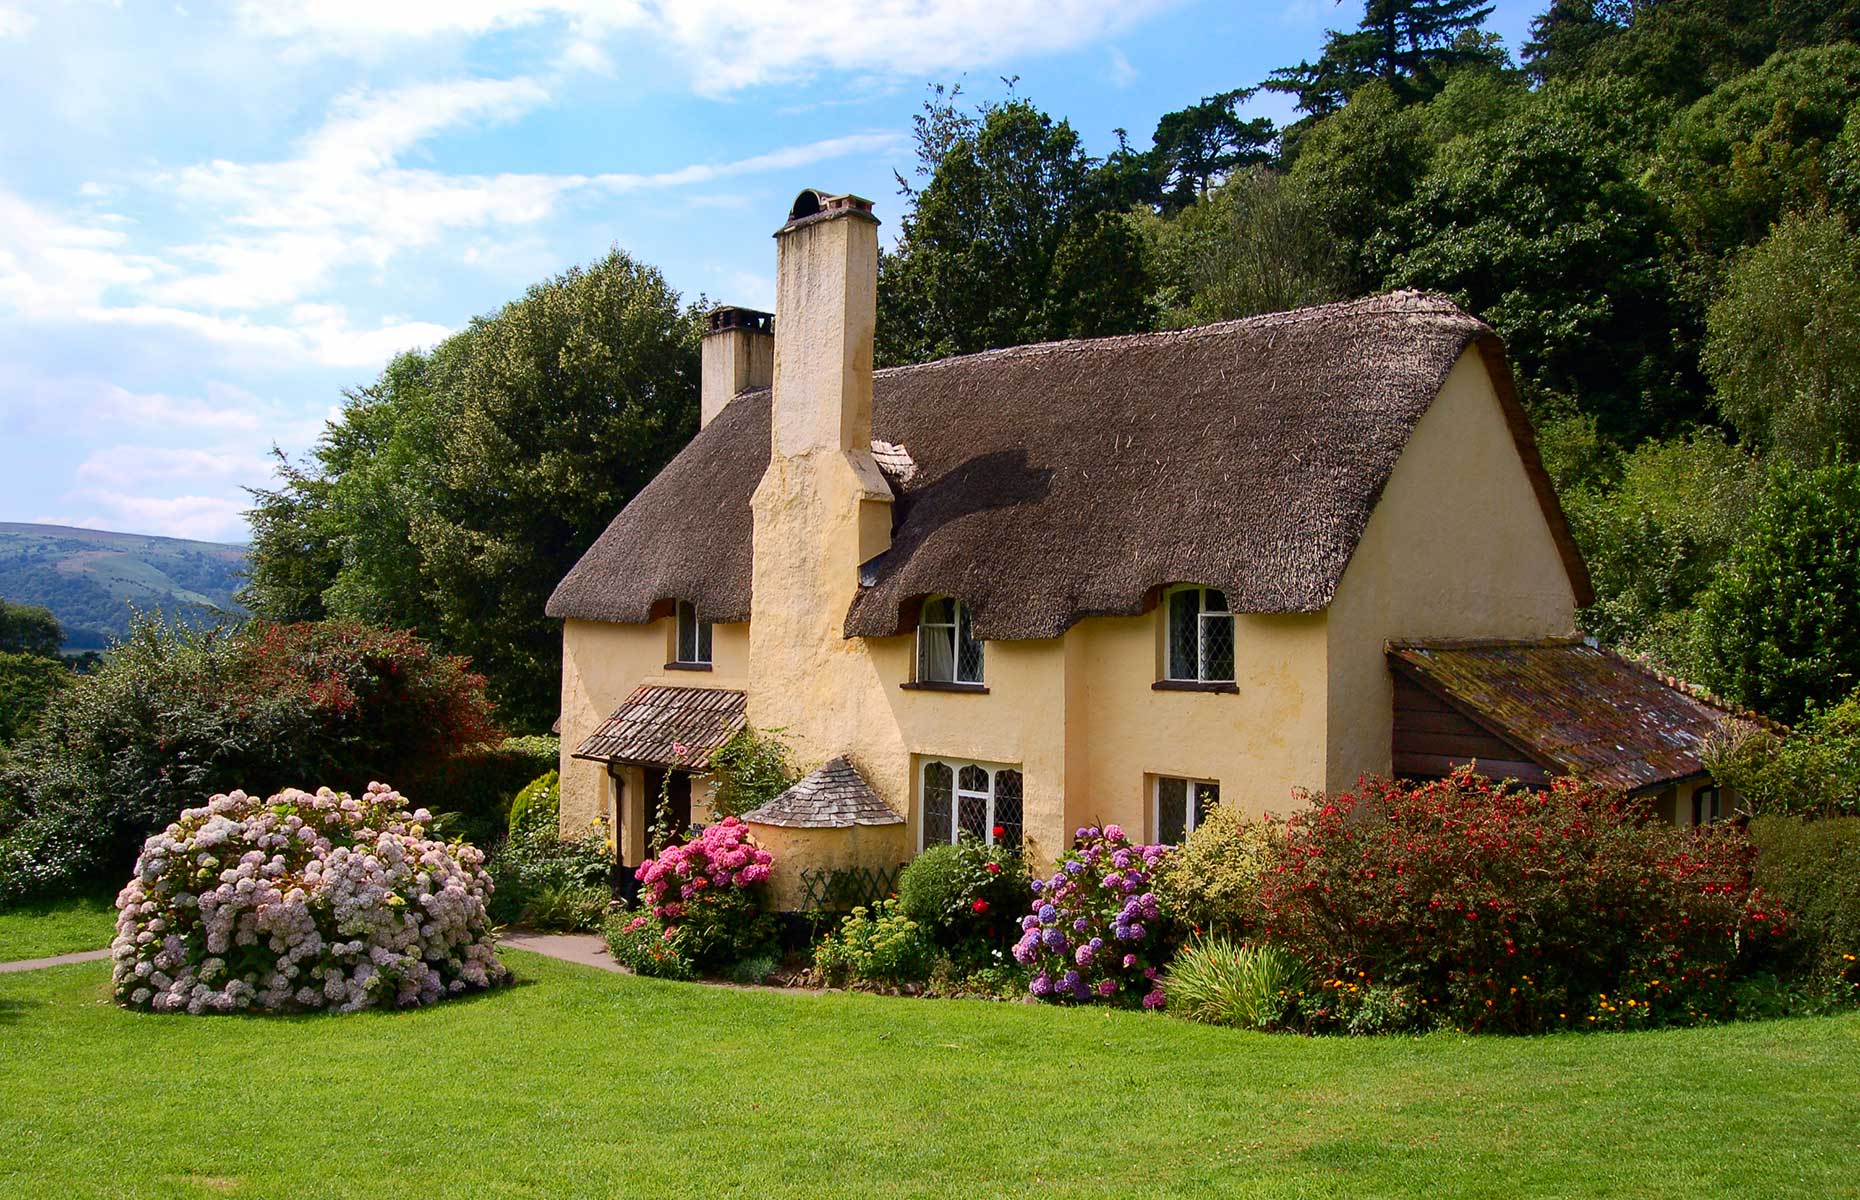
(668, 727)
(1574, 708)
(1073, 479)
(831, 796)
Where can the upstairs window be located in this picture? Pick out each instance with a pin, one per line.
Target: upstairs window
(1182, 805)
(969, 798)
(1201, 636)
(947, 648)
(693, 636)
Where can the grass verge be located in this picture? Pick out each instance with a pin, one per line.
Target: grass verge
(47, 927)
(578, 1082)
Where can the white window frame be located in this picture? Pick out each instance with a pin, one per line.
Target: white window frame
(957, 793)
(702, 637)
(957, 610)
(1202, 614)
(1189, 822)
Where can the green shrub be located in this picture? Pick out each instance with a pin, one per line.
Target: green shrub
(545, 881)
(967, 898)
(1812, 870)
(639, 941)
(879, 945)
(543, 793)
(175, 714)
(27, 684)
(1223, 982)
(755, 969)
(481, 784)
(749, 770)
(1810, 771)
(1211, 882)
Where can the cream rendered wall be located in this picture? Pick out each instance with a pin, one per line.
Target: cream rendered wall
(1260, 742)
(1456, 548)
(602, 663)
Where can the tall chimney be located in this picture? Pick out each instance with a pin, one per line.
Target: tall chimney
(823, 508)
(826, 290)
(739, 355)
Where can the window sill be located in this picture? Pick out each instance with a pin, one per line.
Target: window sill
(1195, 685)
(684, 666)
(926, 685)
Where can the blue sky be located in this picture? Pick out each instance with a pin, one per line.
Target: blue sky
(214, 217)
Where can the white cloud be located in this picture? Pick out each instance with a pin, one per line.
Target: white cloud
(200, 518)
(1121, 73)
(727, 45)
(15, 22)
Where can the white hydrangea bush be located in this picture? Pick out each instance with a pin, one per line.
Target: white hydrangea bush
(300, 902)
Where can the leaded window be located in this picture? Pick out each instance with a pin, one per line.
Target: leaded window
(1201, 636)
(693, 635)
(972, 799)
(947, 649)
(1182, 805)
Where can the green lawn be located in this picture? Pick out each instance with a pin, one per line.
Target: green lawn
(45, 928)
(582, 1083)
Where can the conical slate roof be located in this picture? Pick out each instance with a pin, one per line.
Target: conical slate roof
(832, 796)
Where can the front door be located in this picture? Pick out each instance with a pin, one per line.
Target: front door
(674, 788)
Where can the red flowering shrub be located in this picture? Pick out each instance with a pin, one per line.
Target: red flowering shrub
(1498, 908)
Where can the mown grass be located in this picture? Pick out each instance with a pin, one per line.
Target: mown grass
(44, 928)
(581, 1083)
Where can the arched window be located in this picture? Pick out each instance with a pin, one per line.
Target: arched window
(1201, 636)
(973, 799)
(947, 648)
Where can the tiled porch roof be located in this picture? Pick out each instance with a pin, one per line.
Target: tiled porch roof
(833, 796)
(668, 727)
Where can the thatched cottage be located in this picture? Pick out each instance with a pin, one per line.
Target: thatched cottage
(1109, 580)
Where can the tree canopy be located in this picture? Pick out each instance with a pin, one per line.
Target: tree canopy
(454, 492)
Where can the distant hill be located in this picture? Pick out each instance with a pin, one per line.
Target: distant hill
(91, 579)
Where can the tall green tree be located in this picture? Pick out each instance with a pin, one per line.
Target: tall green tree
(1016, 235)
(1254, 245)
(1199, 146)
(1407, 45)
(29, 629)
(1540, 225)
(1780, 623)
(453, 493)
(1783, 348)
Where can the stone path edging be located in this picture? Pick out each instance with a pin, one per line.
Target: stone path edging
(57, 960)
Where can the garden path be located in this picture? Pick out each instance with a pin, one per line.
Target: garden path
(56, 960)
(583, 948)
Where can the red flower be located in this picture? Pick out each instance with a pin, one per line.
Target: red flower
(1001, 831)
(980, 906)
(993, 868)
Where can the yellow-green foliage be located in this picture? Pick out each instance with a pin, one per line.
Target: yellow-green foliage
(877, 945)
(1211, 882)
(543, 795)
(1224, 983)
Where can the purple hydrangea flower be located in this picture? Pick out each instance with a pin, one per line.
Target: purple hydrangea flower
(1038, 885)
(1048, 914)
(1130, 960)
(1074, 866)
(1055, 940)
(1153, 1000)
(1114, 832)
(1030, 921)
(1069, 981)
(1080, 925)
(1041, 984)
(1082, 956)
(1107, 987)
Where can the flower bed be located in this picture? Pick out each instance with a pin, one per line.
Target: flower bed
(299, 902)
(706, 900)
(1093, 934)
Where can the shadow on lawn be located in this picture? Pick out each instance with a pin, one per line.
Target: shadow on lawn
(12, 1009)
